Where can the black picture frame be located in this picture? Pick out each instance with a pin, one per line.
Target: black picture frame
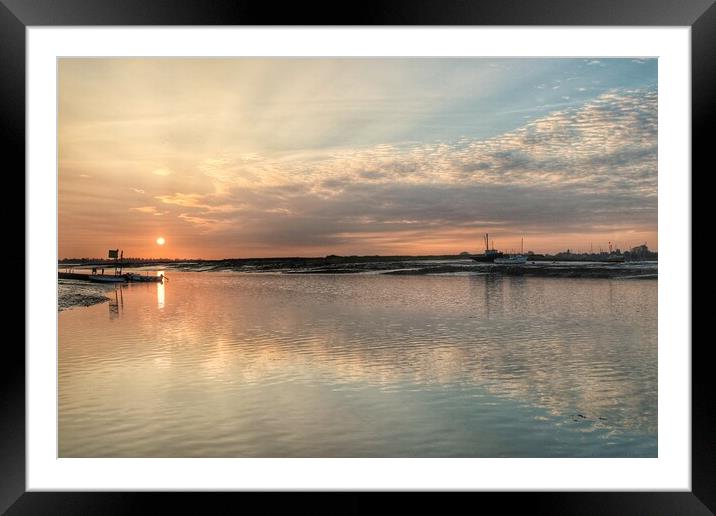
(17, 15)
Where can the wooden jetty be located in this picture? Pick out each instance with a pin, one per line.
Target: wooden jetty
(117, 257)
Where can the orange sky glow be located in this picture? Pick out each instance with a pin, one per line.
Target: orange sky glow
(308, 157)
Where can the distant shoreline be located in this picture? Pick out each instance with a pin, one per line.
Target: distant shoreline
(310, 261)
(401, 265)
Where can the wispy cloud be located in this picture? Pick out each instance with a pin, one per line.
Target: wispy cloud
(145, 209)
(583, 169)
(303, 156)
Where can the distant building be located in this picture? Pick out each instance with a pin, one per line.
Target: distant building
(640, 253)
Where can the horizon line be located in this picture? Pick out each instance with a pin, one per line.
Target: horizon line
(295, 257)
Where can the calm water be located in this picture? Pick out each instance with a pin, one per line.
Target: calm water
(238, 365)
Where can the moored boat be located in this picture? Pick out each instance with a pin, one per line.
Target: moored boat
(516, 259)
(146, 278)
(490, 254)
(101, 278)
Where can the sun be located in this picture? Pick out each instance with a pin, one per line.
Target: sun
(161, 241)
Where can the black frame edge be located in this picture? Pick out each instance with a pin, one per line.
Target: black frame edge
(12, 141)
(371, 12)
(547, 504)
(703, 113)
(700, 14)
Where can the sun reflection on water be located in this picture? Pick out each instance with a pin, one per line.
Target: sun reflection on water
(160, 291)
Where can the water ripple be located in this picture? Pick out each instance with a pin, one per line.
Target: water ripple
(227, 364)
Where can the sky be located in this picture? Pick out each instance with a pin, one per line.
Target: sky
(269, 157)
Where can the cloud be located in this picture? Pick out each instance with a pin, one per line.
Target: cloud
(581, 169)
(236, 153)
(145, 209)
(191, 200)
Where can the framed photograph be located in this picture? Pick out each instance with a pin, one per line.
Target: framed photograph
(435, 248)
